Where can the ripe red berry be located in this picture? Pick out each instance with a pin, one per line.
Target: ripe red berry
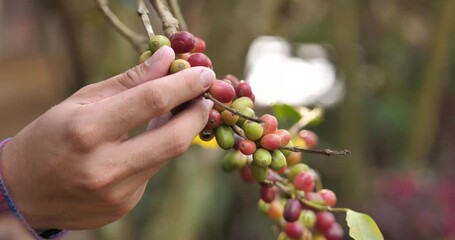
(214, 119)
(199, 59)
(324, 220)
(222, 91)
(310, 138)
(243, 89)
(247, 147)
(271, 141)
(304, 181)
(335, 232)
(247, 175)
(182, 42)
(234, 80)
(292, 210)
(294, 230)
(285, 136)
(270, 123)
(268, 194)
(199, 45)
(328, 196)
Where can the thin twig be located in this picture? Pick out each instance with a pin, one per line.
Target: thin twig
(327, 152)
(234, 111)
(143, 13)
(170, 23)
(239, 131)
(135, 39)
(175, 8)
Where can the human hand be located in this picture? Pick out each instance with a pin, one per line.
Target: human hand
(75, 166)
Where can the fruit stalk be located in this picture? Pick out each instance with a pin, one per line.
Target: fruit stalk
(234, 111)
(175, 8)
(143, 13)
(169, 22)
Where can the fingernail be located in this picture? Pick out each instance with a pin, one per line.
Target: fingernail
(156, 56)
(207, 77)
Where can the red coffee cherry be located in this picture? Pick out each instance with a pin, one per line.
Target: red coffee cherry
(292, 210)
(214, 119)
(324, 220)
(199, 59)
(268, 194)
(294, 230)
(222, 91)
(310, 138)
(247, 147)
(270, 141)
(247, 175)
(270, 123)
(329, 197)
(182, 42)
(285, 136)
(243, 89)
(199, 45)
(304, 181)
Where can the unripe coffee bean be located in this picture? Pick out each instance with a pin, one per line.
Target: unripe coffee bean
(278, 160)
(224, 137)
(253, 130)
(145, 56)
(157, 41)
(259, 173)
(262, 158)
(178, 65)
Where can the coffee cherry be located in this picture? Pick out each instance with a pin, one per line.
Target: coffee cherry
(310, 138)
(294, 158)
(253, 130)
(182, 42)
(222, 91)
(292, 210)
(324, 220)
(183, 56)
(178, 65)
(278, 160)
(247, 175)
(268, 194)
(304, 181)
(307, 218)
(263, 206)
(335, 232)
(296, 169)
(206, 135)
(294, 230)
(259, 173)
(247, 112)
(328, 196)
(229, 118)
(233, 161)
(270, 123)
(243, 89)
(199, 45)
(270, 141)
(224, 137)
(199, 59)
(237, 140)
(214, 119)
(247, 147)
(314, 198)
(262, 158)
(275, 211)
(287, 152)
(233, 79)
(145, 56)
(285, 137)
(242, 103)
(157, 41)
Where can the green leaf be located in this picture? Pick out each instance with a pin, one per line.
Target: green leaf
(362, 226)
(286, 115)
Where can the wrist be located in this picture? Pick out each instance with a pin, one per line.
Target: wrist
(7, 206)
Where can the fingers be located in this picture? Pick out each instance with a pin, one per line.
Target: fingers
(148, 151)
(157, 66)
(124, 111)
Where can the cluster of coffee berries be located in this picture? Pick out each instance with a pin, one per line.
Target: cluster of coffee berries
(261, 152)
(188, 49)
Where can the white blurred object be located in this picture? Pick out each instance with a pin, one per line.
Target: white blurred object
(277, 77)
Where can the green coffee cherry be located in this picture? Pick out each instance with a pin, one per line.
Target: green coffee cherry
(157, 41)
(253, 130)
(145, 56)
(225, 137)
(262, 158)
(296, 169)
(263, 206)
(259, 173)
(242, 103)
(178, 65)
(287, 152)
(245, 111)
(307, 218)
(278, 160)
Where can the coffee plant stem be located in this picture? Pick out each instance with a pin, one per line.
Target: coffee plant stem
(175, 8)
(234, 111)
(327, 152)
(170, 23)
(137, 40)
(143, 13)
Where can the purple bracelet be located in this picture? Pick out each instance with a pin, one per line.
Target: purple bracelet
(7, 207)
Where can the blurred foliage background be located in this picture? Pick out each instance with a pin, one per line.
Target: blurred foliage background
(397, 61)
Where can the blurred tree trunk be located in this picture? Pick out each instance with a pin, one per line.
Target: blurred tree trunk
(353, 169)
(429, 98)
